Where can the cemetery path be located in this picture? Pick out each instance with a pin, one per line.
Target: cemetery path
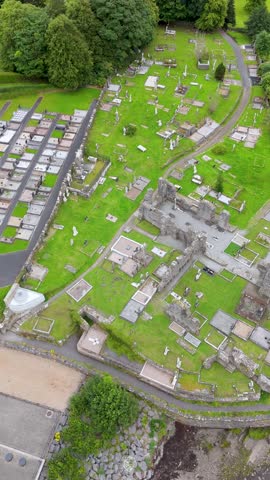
(225, 128)
(4, 108)
(69, 351)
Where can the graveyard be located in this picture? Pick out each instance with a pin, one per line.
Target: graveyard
(173, 279)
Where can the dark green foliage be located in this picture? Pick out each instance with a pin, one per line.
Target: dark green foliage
(64, 466)
(130, 130)
(266, 84)
(258, 21)
(264, 68)
(230, 17)
(37, 3)
(213, 15)
(262, 44)
(219, 183)
(55, 7)
(69, 60)
(252, 4)
(124, 27)
(97, 412)
(220, 72)
(170, 10)
(194, 8)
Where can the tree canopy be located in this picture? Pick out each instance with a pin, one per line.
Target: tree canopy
(262, 44)
(69, 59)
(258, 21)
(213, 15)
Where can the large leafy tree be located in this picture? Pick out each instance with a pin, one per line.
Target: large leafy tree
(194, 8)
(11, 13)
(69, 59)
(213, 15)
(55, 7)
(252, 4)
(258, 21)
(124, 27)
(230, 17)
(81, 14)
(30, 42)
(23, 38)
(262, 45)
(170, 10)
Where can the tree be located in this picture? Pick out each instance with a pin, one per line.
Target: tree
(266, 84)
(262, 45)
(170, 10)
(220, 72)
(194, 8)
(219, 183)
(124, 27)
(230, 17)
(264, 68)
(252, 4)
(11, 13)
(55, 7)
(258, 21)
(65, 466)
(213, 15)
(30, 42)
(69, 60)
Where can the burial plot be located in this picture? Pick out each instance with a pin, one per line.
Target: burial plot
(242, 330)
(79, 290)
(223, 322)
(261, 337)
(251, 305)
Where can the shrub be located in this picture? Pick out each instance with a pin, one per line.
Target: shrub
(130, 130)
(220, 72)
(65, 466)
(264, 68)
(219, 149)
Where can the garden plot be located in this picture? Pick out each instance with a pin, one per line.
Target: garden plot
(215, 339)
(239, 250)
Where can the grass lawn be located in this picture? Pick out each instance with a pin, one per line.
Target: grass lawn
(215, 338)
(50, 180)
(148, 227)
(64, 312)
(97, 231)
(233, 249)
(13, 247)
(9, 232)
(57, 134)
(20, 210)
(229, 275)
(3, 292)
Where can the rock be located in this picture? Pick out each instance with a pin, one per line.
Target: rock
(143, 466)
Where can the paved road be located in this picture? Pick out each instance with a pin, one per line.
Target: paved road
(19, 131)
(69, 350)
(12, 263)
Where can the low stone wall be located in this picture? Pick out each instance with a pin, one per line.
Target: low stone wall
(199, 420)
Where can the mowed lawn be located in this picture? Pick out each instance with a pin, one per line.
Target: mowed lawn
(107, 135)
(249, 173)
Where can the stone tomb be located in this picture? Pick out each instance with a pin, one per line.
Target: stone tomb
(92, 341)
(242, 330)
(261, 337)
(79, 290)
(157, 374)
(223, 322)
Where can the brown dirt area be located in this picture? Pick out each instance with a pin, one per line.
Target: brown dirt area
(37, 379)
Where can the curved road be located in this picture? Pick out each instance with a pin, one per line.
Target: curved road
(69, 349)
